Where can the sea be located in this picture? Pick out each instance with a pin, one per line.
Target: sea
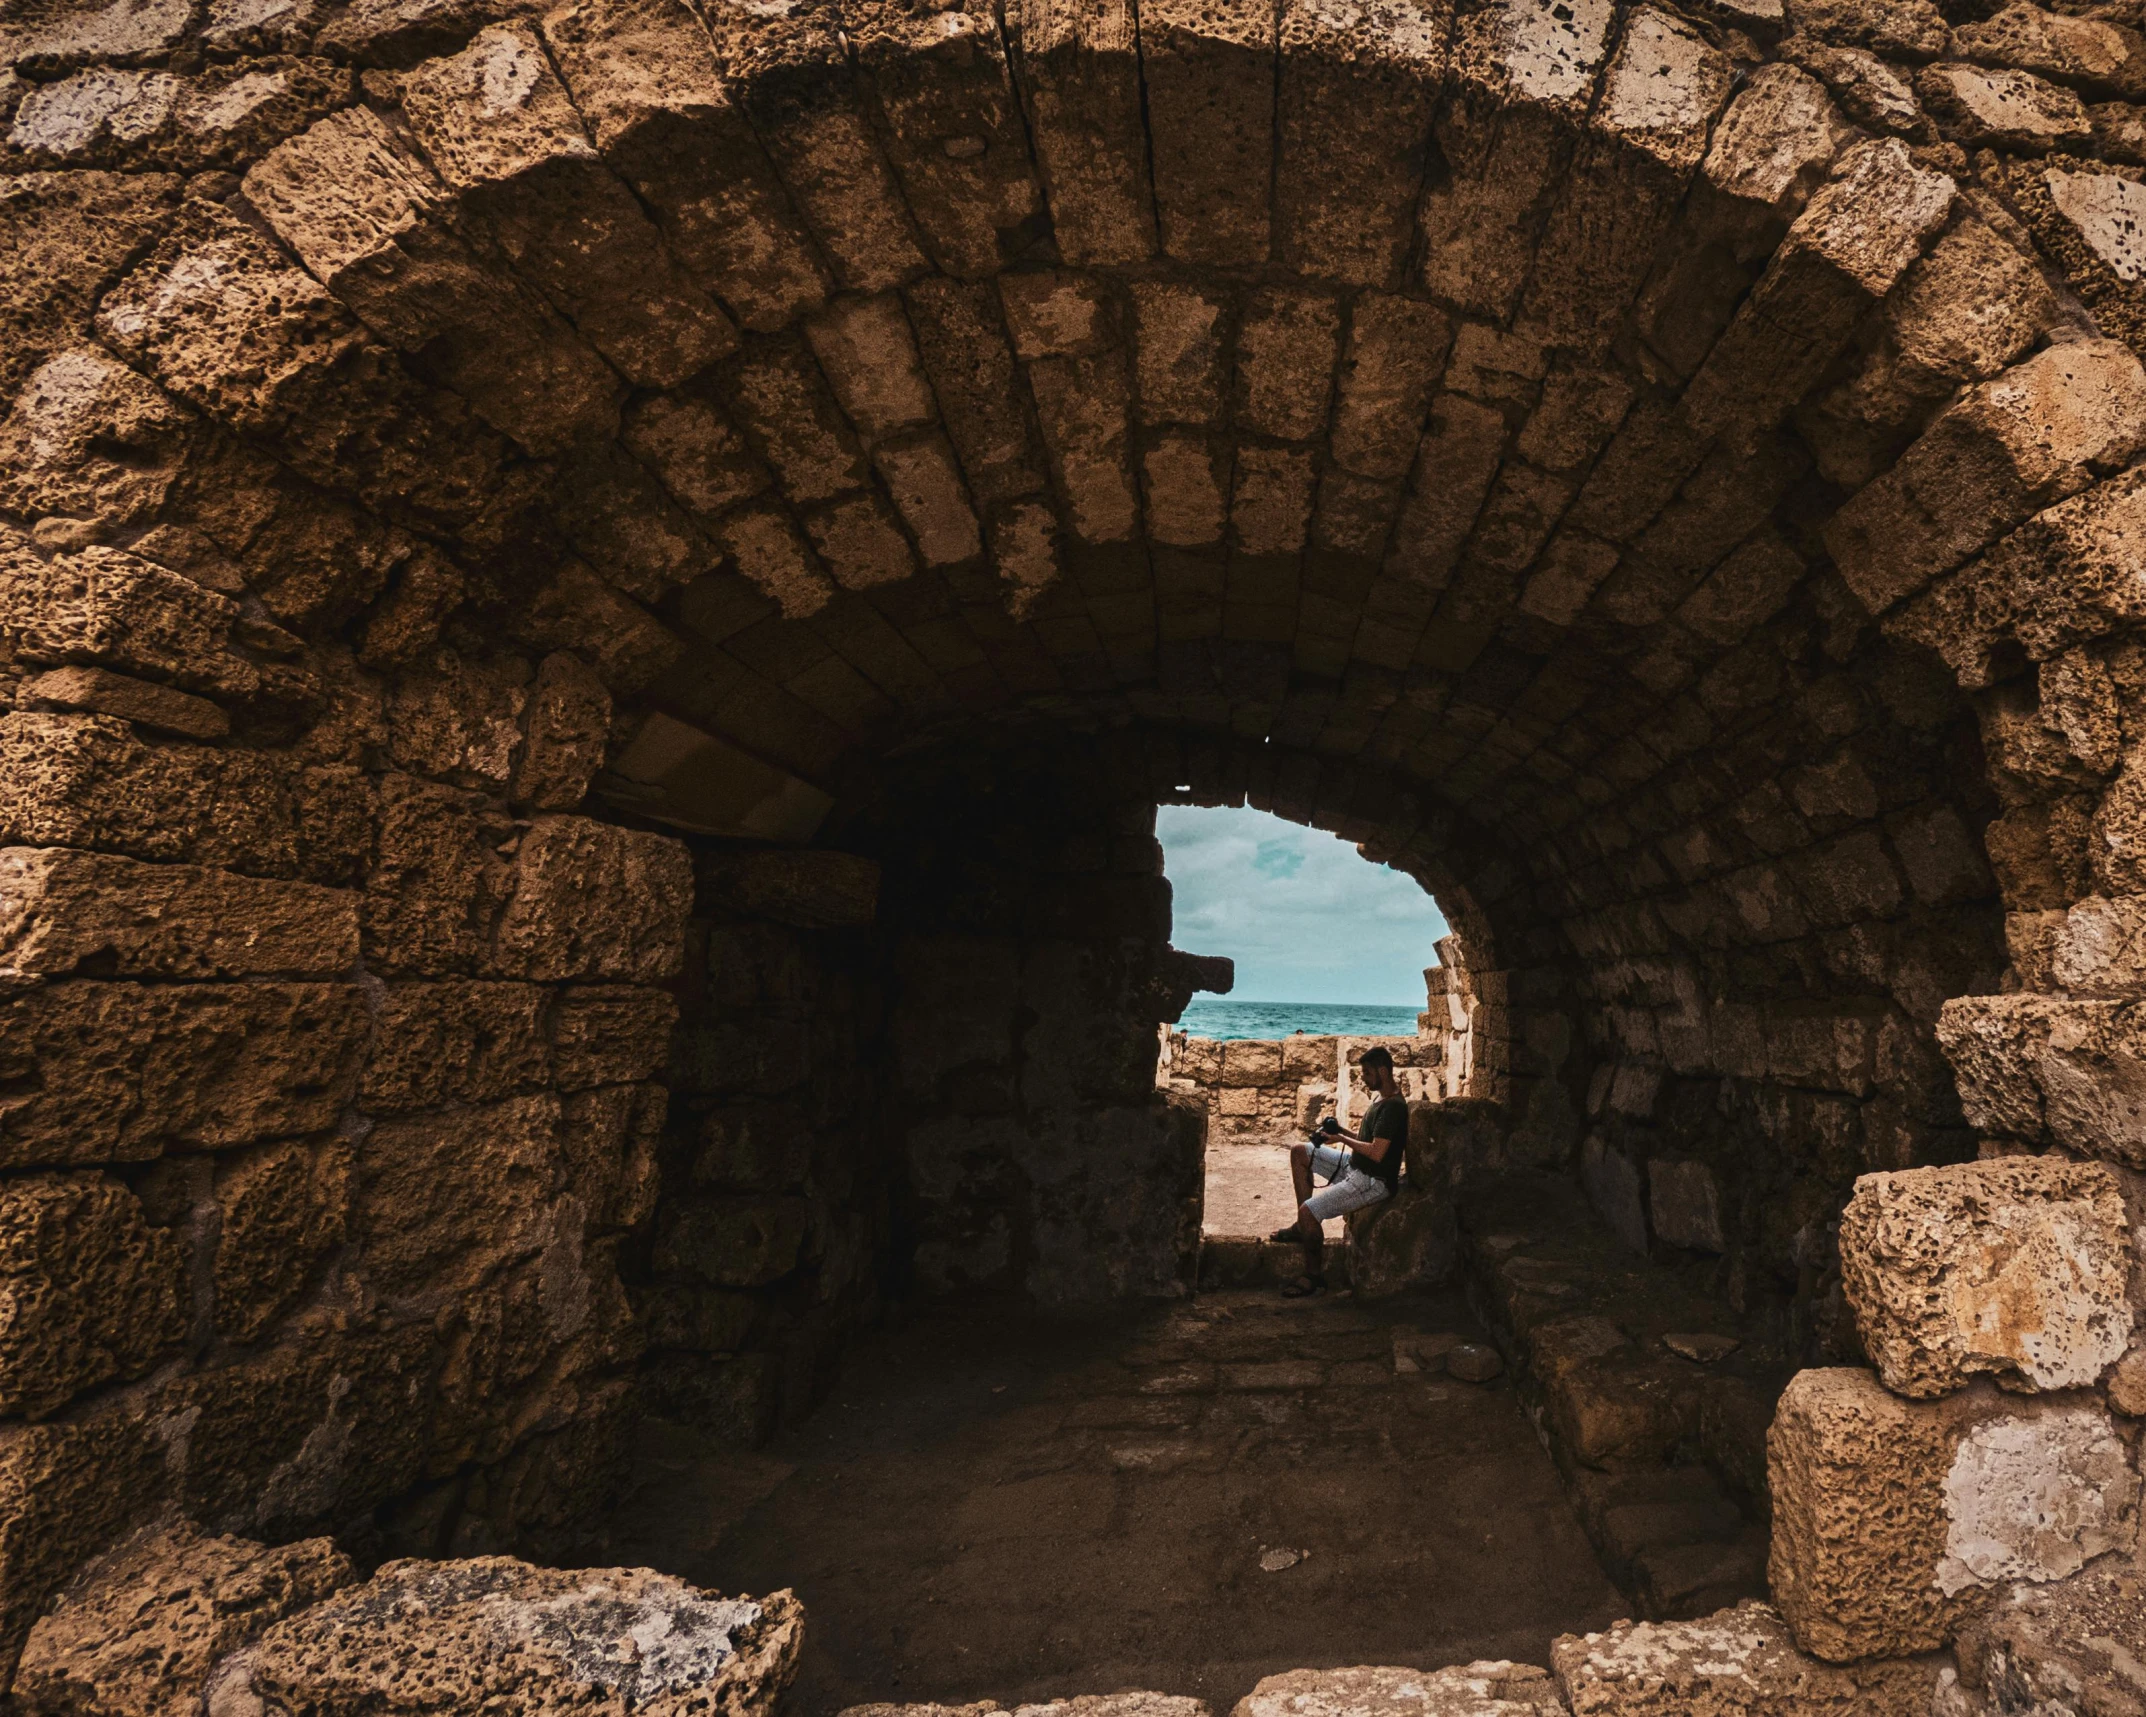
(1218, 1017)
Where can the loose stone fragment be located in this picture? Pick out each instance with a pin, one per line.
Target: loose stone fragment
(1472, 1362)
(142, 1627)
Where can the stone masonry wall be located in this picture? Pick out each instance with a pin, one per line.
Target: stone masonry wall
(1258, 1091)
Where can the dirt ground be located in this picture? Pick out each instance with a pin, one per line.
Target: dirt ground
(995, 1506)
(1249, 1194)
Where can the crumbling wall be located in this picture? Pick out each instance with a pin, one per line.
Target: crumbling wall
(1258, 1090)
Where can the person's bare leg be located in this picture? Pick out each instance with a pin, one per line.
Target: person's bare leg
(1300, 1180)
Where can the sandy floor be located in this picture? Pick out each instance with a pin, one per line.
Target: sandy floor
(992, 1506)
(1248, 1193)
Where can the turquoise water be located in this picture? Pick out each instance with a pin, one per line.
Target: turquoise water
(1216, 1017)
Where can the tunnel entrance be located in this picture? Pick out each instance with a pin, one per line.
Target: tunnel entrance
(598, 600)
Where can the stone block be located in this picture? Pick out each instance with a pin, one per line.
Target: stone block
(923, 479)
(1083, 405)
(1613, 1185)
(593, 901)
(1396, 351)
(1080, 78)
(1740, 1662)
(495, 1630)
(282, 1209)
(607, 1144)
(566, 726)
(610, 1034)
(503, 133)
(71, 234)
(374, 225)
(1209, 79)
(1686, 1203)
(1894, 1520)
(1485, 1688)
(117, 1072)
(1286, 346)
(2035, 435)
(953, 130)
(2012, 110)
(106, 608)
(222, 117)
(1855, 238)
(1410, 1240)
(739, 1241)
(811, 890)
(1250, 1061)
(455, 1041)
(67, 1490)
(650, 86)
(2044, 1067)
(1359, 84)
(441, 1202)
(1522, 74)
(217, 316)
(794, 71)
(777, 393)
(63, 911)
(93, 1292)
(139, 1631)
(1642, 143)
(2096, 54)
(962, 340)
(2017, 1269)
(2062, 1647)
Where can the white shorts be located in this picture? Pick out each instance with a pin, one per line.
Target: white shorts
(1351, 1188)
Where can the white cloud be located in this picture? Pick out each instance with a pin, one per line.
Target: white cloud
(1306, 918)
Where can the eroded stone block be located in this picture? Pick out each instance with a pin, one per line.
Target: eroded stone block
(114, 1072)
(2017, 1269)
(63, 911)
(139, 1631)
(88, 1290)
(592, 900)
(1486, 1688)
(1893, 1519)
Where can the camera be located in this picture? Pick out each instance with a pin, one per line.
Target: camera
(1329, 1127)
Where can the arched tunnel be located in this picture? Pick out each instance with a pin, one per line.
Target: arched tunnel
(599, 600)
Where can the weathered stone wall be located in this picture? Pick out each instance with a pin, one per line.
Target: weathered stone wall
(1258, 1090)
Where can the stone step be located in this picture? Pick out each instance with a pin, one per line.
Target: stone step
(1679, 1582)
(1263, 1264)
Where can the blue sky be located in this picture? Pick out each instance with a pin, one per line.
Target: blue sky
(1305, 918)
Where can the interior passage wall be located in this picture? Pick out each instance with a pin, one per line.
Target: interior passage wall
(1028, 926)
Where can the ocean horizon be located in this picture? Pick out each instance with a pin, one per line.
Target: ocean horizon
(1219, 1018)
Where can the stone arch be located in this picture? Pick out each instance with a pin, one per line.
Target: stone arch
(468, 471)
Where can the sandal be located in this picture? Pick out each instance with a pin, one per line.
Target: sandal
(1290, 1236)
(1303, 1289)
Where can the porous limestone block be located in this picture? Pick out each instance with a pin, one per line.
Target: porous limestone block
(794, 70)
(103, 607)
(1249, 1062)
(1522, 73)
(966, 353)
(776, 391)
(455, 1041)
(218, 316)
(1395, 354)
(1642, 143)
(281, 1210)
(96, 691)
(1685, 1201)
(2036, 1067)
(222, 117)
(503, 133)
(2003, 109)
(953, 128)
(1179, 336)
(1133, 1704)
(1360, 81)
(1209, 80)
(1286, 348)
(2016, 1268)
(1855, 238)
(1894, 1519)
(649, 84)
(1080, 77)
(117, 1072)
(566, 725)
(70, 235)
(62, 911)
(1410, 1240)
(374, 225)
(594, 901)
(1740, 1662)
(138, 1632)
(2070, 1647)
(89, 1291)
(73, 412)
(611, 1034)
(1084, 408)
(67, 1490)
(2094, 53)
(494, 1630)
(2040, 432)
(1485, 1688)
(870, 357)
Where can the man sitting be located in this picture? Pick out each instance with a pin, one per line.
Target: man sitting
(1359, 1169)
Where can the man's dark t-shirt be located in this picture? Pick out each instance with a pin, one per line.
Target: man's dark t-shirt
(1386, 1119)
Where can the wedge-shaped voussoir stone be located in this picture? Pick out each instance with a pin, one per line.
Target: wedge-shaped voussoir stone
(1735, 1663)
(2016, 1268)
(114, 1072)
(1894, 1520)
(63, 911)
(1486, 1688)
(106, 608)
